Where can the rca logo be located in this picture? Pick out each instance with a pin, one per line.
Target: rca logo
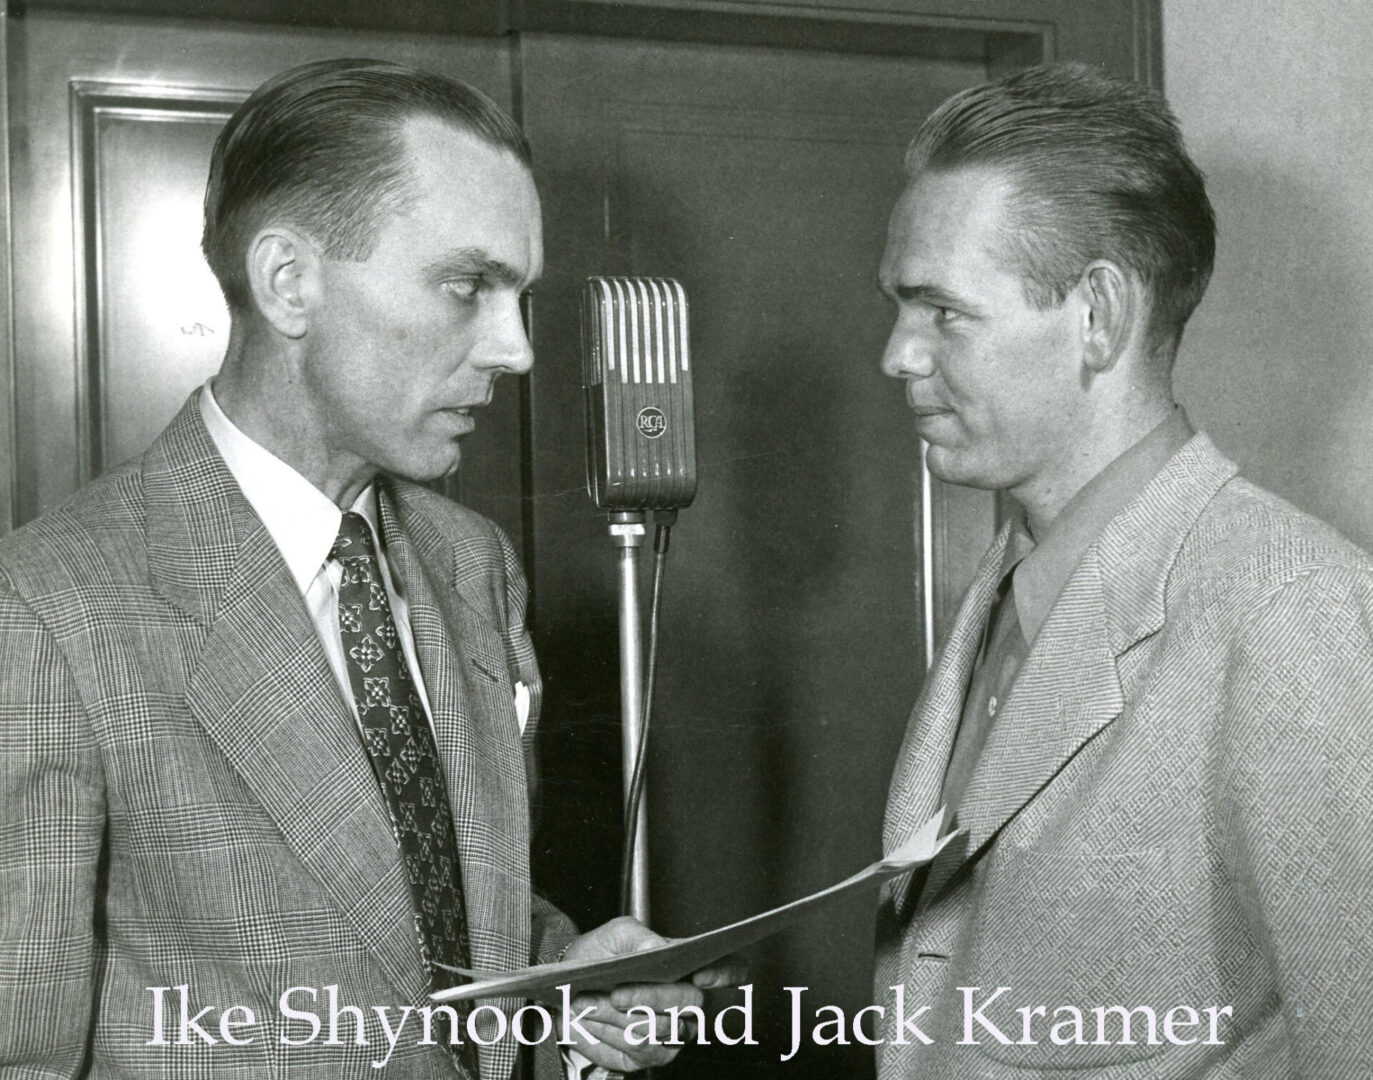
(651, 422)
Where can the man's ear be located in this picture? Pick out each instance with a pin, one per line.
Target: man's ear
(281, 266)
(1112, 310)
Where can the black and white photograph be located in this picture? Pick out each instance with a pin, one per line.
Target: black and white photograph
(690, 539)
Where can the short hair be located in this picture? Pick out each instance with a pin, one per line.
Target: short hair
(1098, 171)
(320, 146)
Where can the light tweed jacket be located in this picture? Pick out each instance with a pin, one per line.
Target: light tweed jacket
(184, 798)
(1173, 807)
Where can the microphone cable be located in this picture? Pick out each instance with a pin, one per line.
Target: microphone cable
(663, 521)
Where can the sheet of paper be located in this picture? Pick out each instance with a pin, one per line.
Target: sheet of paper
(679, 958)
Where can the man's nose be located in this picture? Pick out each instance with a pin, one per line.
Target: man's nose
(506, 344)
(909, 353)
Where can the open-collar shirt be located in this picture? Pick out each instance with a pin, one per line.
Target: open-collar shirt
(1034, 571)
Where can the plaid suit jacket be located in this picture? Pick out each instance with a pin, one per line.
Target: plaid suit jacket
(185, 801)
(1171, 809)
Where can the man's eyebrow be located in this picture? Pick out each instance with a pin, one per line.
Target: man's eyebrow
(926, 294)
(475, 261)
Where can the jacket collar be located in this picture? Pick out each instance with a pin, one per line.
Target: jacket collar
(1139, 547)
(198, 523)
(1044, 570)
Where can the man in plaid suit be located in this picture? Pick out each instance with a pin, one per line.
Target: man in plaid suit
(214, 860)
(1153, 715)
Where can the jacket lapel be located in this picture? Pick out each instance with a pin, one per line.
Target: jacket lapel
(263, 691)
(1065, 693)
(472, 699)
(1070, 687)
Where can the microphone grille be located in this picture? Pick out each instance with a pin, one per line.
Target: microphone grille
(636, 367)
(636, 329)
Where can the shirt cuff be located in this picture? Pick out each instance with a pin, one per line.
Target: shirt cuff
(579, 1067)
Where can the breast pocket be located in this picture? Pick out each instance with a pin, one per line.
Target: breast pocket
(490, 682)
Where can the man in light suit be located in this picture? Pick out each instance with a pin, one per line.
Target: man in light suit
(1153, 716)
(266, 705)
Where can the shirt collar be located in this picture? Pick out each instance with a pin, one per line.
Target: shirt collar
(1041, 570)
(302, 521)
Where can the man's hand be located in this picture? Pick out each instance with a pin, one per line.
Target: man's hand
(610, 1012)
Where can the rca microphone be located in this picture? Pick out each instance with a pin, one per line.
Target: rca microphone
(640, 423)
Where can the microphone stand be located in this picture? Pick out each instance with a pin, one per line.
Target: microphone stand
(627, 532)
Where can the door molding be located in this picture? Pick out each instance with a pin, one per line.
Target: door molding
(92, 103)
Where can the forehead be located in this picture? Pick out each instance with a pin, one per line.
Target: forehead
(948, 226)
(469, 194)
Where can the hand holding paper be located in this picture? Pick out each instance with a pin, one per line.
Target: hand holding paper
(657, 960)
(606, 1016)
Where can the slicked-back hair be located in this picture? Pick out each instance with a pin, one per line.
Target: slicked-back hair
(320, 147)
(1098, 171)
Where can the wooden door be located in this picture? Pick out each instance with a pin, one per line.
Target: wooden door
(791, 643)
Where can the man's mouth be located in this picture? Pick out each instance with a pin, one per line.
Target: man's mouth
(922, 408)
(463, 419)
(470, 407)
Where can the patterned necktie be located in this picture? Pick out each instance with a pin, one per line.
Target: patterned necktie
(404, 757)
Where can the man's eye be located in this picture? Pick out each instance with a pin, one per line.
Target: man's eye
(463, 288)
(943, 315)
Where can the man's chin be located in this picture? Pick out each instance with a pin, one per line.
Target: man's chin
(430, 469)
(955, 466)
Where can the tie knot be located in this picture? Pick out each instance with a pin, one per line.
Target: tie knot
(354, 538)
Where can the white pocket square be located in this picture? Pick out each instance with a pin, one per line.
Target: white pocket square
(521, 704)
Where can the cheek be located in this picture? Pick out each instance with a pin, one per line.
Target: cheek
(432, 348)
(1032, 377)
(979, 381)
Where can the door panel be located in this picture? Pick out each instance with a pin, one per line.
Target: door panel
(155, 321)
